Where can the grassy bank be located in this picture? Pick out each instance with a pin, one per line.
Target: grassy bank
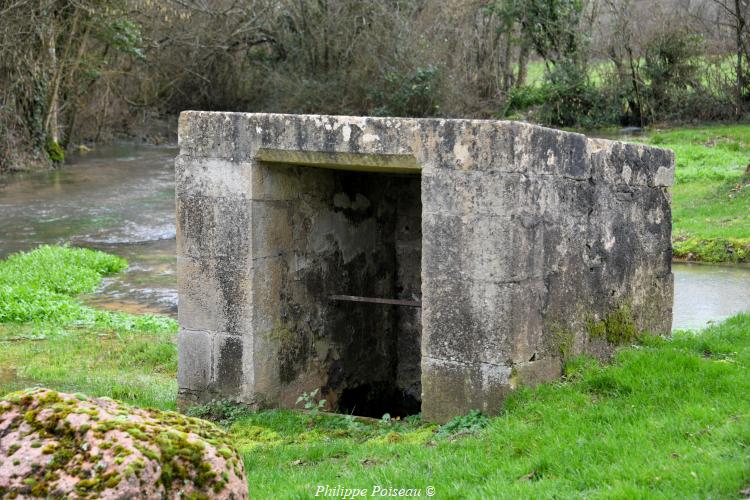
(49, 337)
(711, 196)
(42, 287)
(669, 418)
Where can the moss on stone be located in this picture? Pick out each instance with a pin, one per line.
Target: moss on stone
(617, 327)
(169, 439)
(563, 340)
(54, 150)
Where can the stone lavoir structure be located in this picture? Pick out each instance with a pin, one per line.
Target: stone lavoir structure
(407, 265)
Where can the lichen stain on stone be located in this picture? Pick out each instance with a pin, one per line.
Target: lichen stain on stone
(229, 366)
(294, 350)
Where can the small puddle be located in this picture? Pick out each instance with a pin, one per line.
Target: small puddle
(10, 381)
(8, 375)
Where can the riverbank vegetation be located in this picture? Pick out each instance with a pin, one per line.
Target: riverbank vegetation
(81, 71)
(711, 195)
(42, 286)
(49, 337)
(84, 71)
(669, 417)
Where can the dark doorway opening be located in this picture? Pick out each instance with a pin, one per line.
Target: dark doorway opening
(374, 310)
(344, 235)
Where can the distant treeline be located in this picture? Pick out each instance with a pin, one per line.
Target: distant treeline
(74, 71)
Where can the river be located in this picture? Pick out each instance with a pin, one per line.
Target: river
(120, 199)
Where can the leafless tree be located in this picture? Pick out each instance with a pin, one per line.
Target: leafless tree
(734, 16)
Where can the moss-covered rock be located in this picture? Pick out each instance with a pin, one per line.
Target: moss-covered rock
(73, 446)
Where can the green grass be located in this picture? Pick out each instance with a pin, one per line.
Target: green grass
(600, 70)
(49, 337)
(41, 287)
(711, 196)
(714, 153)
(668, 419)
(136, 367)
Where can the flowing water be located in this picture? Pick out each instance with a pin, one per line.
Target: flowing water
(707, 293)
(120, 199)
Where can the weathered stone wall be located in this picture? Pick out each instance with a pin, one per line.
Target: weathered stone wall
(318, 233)
(408, 287)
(535, 244)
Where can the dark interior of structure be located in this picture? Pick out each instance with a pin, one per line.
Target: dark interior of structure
(353, 290)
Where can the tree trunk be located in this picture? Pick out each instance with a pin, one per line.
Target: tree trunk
(50, 124)
(739, 29)
(507, 65)
(523, 61)
(638, 104)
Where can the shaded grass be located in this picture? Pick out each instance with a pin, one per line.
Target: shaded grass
(136, 367)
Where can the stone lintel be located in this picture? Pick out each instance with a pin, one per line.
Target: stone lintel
(360, 162)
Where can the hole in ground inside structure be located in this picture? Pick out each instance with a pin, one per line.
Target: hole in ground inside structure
(376, 399)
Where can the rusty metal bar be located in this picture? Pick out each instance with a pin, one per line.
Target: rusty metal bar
(375, 300)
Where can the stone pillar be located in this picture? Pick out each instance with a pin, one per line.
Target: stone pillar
(214, 266)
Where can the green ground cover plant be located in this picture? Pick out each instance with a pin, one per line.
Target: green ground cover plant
(41, 287)
(711, 195)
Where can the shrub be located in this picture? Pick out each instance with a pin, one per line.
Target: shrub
(410, 94)
(670, 67)
(524, 98)
(573, 101)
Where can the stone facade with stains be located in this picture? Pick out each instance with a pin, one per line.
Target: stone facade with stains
(523, 244)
